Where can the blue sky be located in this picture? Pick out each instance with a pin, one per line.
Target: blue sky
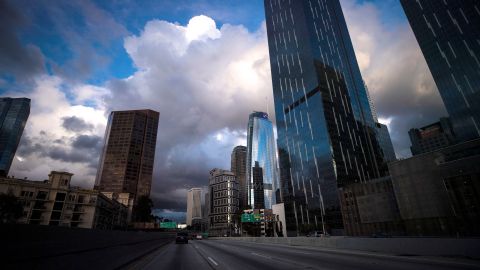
(78, 60)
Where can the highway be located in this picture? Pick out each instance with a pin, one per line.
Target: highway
(228, 254)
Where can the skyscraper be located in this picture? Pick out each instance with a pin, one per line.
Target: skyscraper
(431, 137)
(261, 149)
(258, 190)
(385, 142)
(14, 113)
(126, 162)
(326, 131)
(194, 206)
(448, 33)
(238, 167)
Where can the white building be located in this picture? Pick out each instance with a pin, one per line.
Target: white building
(194, 206)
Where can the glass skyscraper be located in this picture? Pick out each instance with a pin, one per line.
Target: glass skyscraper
(326, 131)
(14, 113)
(448, 32)
(261, 148)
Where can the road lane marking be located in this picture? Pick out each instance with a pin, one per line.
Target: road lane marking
(213, 261)
(260, 255)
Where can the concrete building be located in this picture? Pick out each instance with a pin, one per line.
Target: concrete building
(238, 167)
(431, 137)
(370, 208)
(438, 192)
(223, 193)
(126, 162)
(194, 206)
(56, 202)
(14, 113)
(448, 34)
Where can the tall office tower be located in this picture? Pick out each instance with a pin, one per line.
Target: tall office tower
(258, 190)
(448, 33)
(326, 131)
(126, 163)
(223, 190)
(385, 142)
(194, 206)
(261, 148)
(14, 113)
(238, 167)
(431, 137)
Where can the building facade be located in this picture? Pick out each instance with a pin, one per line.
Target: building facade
(223, 198)
(258, 187)
(371, 208)
(431, 137)
(261, 148)
(14, 113)
(326, 131)
(239, 167)
(194, 206)
(385, 142)
(448, 33)
(55, 202)
(438, 192)
(127, 159)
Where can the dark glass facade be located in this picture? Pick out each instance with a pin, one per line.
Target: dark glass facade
(126, 163)
(326, 131)
(14, 113)
(385, 142)
(448, 32)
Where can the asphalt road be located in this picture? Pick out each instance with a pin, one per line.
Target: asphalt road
(225, 254)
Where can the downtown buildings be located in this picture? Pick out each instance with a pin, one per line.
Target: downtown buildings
(448, 33)
(194, 206)
(126, 162)
(326, 130)
(14, 113)
(261, 152)
(239, 168)
(55, 202)
(223, 202)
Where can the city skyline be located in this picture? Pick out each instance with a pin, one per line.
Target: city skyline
(72, 139)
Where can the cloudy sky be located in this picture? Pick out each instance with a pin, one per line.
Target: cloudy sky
(203, 64)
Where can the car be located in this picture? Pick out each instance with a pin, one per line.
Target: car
(182, 237)
(199, 237)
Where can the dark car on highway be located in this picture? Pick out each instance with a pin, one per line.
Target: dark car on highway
(182, 237)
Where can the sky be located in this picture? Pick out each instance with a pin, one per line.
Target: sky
(203, 64)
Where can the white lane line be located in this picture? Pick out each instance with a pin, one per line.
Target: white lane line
(213, 261)
(260, 255)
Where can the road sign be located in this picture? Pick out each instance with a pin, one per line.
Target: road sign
(168, 225)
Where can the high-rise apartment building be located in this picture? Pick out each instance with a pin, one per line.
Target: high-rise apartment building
(223, 199)
(126, 162)
(194, 206)
(326, 131)
(14, 113)
(431, 137)
(261, 148)
(448, 33)
(238, 167)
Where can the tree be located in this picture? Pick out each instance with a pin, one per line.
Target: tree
(11, 208)
(143, 209)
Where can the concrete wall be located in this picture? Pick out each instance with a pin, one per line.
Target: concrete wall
(397, 246)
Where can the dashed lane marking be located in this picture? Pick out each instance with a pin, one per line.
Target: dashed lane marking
(213, 261)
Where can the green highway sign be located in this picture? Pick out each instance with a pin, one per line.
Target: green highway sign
(168, 225)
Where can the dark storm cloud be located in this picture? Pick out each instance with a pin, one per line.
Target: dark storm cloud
(87, 141)
(76, 124)
(16, 59)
